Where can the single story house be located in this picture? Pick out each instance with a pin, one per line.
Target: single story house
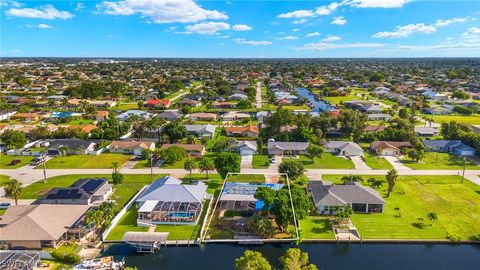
(168, 201)
(327, 197)
(203, 116)
(189, 102)
(427, 131)
(389, 148)
(157, 103)
(287, 148)
(201, 131)
(170, 115)
(455, 147)
(245, 131)
(130, 147)
(101, 115)
(134, 113)
(437, 110)
(85, 191)
(379, 117)
(247, 148)
(42, 225)
(239, 196)
(57, 147)
(343, 148)
(194, 150)
(232, 116)
(373, 128)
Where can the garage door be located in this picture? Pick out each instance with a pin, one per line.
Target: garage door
(246, 152)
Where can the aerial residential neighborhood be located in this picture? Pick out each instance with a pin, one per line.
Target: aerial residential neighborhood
(293, 135)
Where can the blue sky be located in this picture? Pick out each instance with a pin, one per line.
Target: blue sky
(188, 28)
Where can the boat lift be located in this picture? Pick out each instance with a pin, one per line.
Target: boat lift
(146, 242)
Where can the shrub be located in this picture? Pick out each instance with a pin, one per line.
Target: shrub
(63, 256)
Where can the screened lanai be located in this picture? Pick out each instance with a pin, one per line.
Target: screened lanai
(164, 212)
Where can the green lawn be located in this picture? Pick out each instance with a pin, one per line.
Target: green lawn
(178, 164)
(328, 161)
(445, 162)
(376, 162)
(4, 179)
(5, 161)
(128, 223)
(246, 178)
(260, 162)
(466, 119)
(316, 227)
(126, 106)
(337, 100)
(405, 215)
(102, 161)
(2, 211)
(81, 122)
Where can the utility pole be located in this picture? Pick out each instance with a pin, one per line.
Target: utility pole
(464, 163)
(44, 160)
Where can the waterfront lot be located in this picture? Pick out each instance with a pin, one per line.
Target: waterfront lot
(328, 161)
(102, 161)
(405, 215)
(316, 227)
(6, 160)
(445, 162)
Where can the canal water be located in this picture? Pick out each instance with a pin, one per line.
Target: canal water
(318, 106)
(327, 256)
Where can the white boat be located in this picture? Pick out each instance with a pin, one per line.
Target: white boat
(104, 263)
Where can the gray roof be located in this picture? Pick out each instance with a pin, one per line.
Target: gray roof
(324, 193)
(170, 189)
(344, 145)
(70, 143)
(426, 130)
(299, 146)
(247, 144)
(169, 115)
(201, 128)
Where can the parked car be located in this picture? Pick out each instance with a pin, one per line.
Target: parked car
(4, 205)
(272, 160)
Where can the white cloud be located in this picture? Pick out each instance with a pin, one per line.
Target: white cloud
(297, 14)
(252, 42)
(48, 12)
(164, 11)
(296, 29)
(44, 26)
(79, 6)
(313, 34)
(331, 39)
(321, 46)
(339, 20)
(4, 3)
(300, 21)
(472, 31)
(376, 3)
(287, 38)
(208, 28)
(407, 30)
(241, 27)
(441, 23)
(328, 9)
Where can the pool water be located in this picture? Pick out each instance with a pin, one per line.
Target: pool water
(180, 214)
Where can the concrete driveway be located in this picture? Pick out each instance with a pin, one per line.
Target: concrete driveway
(396, 164)
(246, 162)
(359, 163)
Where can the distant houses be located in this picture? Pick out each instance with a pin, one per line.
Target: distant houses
(455, 147)
(389, 148)
(245, 131)
(131, 147)
(201, 131)
(343, 148)
(85, 191)
(287, 148)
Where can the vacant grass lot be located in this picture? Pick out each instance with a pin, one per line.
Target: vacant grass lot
(466, 119)
(316, 227)
(260, 162)
(328, 161)
(126, 106)
(405, 215)
(376, 162)
(5, 161)
(445, 162)
(246, 178)
(102, 161)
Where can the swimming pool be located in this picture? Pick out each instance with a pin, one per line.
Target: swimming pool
(180, 214)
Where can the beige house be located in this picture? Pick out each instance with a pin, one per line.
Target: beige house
(130, 147)
(42, 225)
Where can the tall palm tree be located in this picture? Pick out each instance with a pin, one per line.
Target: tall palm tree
(206, 165)
(13, 190)
(190, 165)
(391, 177)
(191, 139)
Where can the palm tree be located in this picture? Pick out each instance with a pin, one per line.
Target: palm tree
(63, 149)
(115, 167)
(391, 180)
(191, 139)
(190, 165)
(205, 165)
(13, 190)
